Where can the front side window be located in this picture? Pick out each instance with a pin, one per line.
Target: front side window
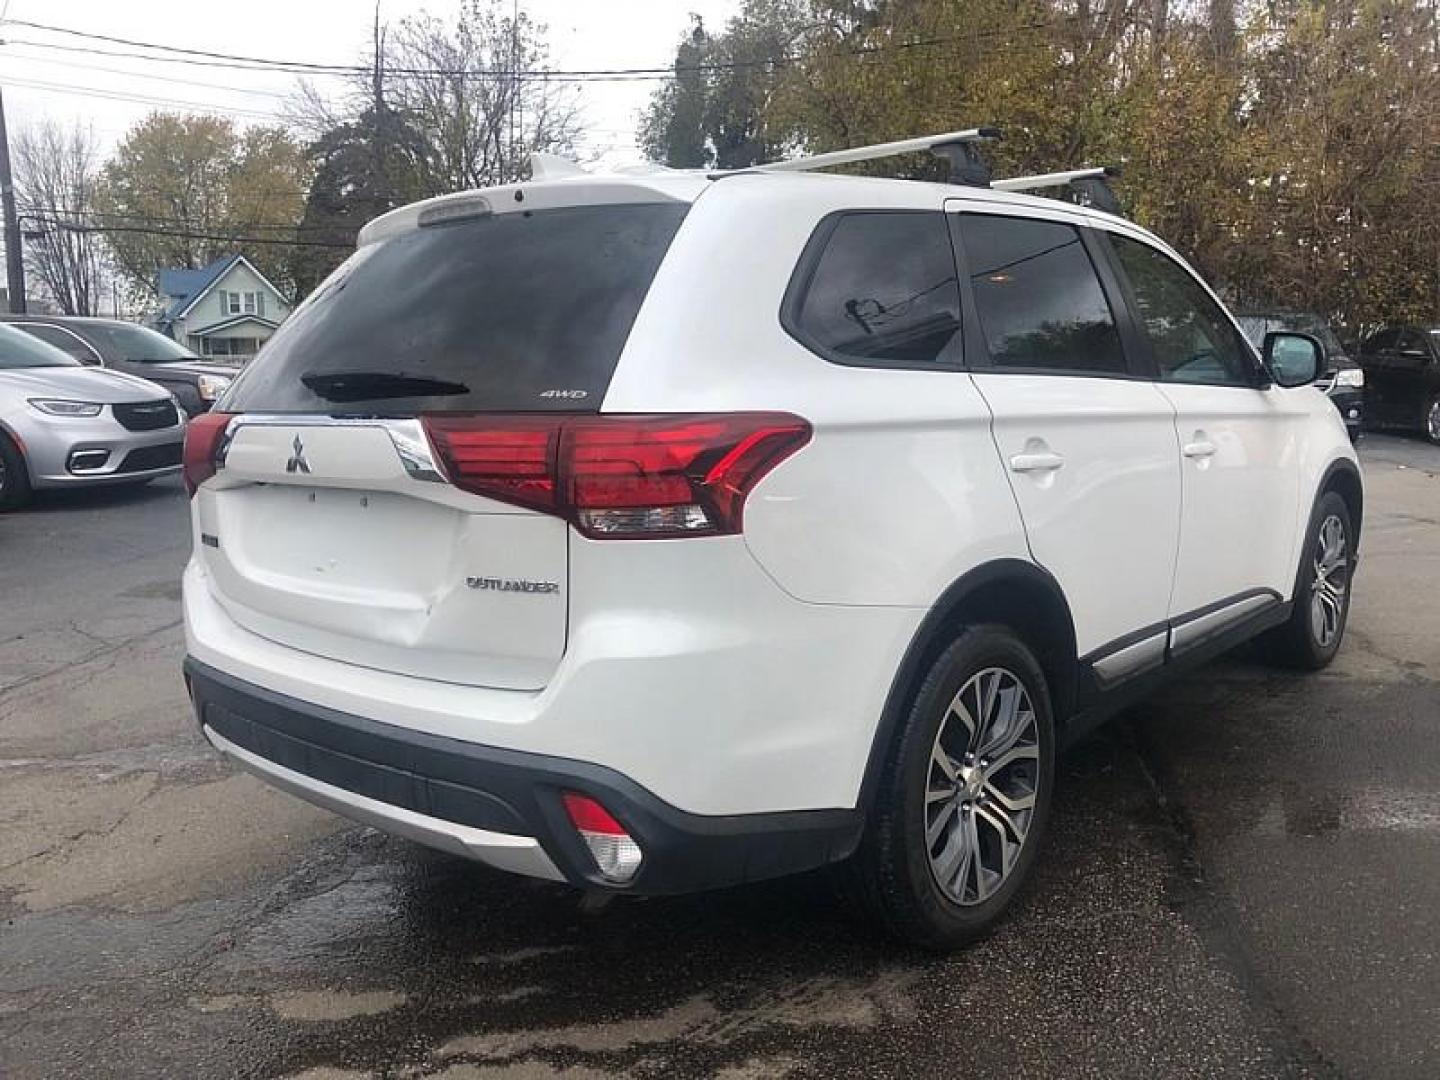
(1190, 337)
(1041, 305)
(882, 292)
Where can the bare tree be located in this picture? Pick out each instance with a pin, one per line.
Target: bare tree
(58, 169)
(488, 104)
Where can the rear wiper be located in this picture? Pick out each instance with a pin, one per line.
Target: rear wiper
(366, 385)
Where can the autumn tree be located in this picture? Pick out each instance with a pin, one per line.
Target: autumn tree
(57, 174)
(183, 190)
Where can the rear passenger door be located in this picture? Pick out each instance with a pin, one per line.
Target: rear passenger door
(1238, 439)
(1087, 441)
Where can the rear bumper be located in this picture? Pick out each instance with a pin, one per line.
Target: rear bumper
(499, 806)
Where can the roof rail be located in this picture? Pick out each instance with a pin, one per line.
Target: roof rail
(955, 146)
(1091, 185)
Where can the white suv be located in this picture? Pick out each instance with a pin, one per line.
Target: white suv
(659, 532)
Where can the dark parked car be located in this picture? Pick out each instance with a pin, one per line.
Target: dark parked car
(134, 350)
(1343, 380)
(1402, 378)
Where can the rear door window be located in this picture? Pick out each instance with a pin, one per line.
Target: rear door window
(1041, 304)
(880, 291)
(520, 311)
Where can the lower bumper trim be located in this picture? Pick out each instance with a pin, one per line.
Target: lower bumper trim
(501, 806)
(504, 851)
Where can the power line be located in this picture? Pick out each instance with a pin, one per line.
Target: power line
(143, 99)
(187, 235)
(206, 58)
(204, 84)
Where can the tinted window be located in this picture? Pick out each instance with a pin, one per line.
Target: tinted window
(1192, 340)
(1041, 305)
(19, 350)
(63, 340)
(138, 344)
(523, 311)
(884, 291)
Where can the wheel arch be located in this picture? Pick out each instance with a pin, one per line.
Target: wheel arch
(1011, 592)
(1343, 477)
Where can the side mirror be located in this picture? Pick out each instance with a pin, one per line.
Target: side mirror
(1293, 359)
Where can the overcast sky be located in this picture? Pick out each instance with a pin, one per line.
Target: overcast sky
(583, 34)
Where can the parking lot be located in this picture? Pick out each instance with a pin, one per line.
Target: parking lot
(1243, 878)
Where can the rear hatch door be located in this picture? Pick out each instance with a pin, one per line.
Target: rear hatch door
(330, 527)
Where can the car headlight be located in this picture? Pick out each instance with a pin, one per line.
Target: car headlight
(1352, 377)
(52, 407)
(211, 386)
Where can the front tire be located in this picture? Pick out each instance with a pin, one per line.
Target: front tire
(14, 476)
(964, 794)
(1431, 420)
(1311, 637)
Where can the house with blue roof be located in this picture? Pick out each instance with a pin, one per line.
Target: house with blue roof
(227, 309)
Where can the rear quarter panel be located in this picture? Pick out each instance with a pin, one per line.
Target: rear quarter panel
(900, 491)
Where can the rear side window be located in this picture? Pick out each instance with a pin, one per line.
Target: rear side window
(515, 311)
(881, 292)
(1192, 340)
(1041, 305)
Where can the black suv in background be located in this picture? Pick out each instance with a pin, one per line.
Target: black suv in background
(1342, 380)
(1402, 378)
(134, 350)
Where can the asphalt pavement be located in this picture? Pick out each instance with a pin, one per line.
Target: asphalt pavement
(1242, 879)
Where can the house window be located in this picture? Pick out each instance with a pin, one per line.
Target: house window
(250, 303)
(242, 303)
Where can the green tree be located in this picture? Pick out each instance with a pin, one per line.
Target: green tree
(714, 113)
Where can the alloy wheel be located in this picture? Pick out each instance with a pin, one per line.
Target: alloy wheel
(980, 786)
(1331, 582)
(1432, 421)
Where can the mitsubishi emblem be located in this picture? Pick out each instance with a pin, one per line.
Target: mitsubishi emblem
(297, 462)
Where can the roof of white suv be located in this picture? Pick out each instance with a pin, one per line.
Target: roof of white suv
(685, 185)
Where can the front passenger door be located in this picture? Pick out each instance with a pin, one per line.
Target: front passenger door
(1238, 445)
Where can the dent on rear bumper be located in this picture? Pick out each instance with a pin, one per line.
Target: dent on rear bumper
(732, 698)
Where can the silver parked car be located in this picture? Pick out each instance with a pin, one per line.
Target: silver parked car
(63, 424)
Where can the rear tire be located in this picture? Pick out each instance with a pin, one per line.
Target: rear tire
(1311, 637)
(964, 795)
(1430, 422)
(14, 476)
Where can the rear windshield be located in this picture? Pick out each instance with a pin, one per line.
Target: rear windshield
(521, 311)
(138, 344)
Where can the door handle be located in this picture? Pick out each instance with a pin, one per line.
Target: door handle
(1036, 461)
(1200, 448)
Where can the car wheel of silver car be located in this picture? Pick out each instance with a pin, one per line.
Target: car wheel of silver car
(964, 795)
(1312, 636)
(14, 476)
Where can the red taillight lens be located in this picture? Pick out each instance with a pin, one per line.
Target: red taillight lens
(617, 856)
(508, 458)
(622, 477)
(203, 436)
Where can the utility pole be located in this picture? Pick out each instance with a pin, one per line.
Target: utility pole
(14, 256)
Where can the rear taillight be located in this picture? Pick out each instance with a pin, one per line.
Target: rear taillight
(620, 477)
(615, 852)
(203, 437)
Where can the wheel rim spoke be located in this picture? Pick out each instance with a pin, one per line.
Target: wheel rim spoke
(1329, 586)
(980, 793)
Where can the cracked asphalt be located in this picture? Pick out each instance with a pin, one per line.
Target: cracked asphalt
(1242, 879)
